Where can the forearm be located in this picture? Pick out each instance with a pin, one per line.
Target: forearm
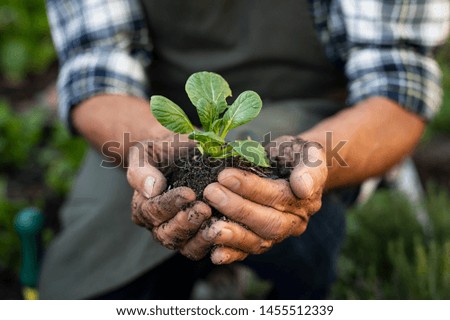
(119, 119)
(375, 134)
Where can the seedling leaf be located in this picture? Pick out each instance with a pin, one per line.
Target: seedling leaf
(206, 112)
(208, 92)
(246, 107)
(210, 142)
(217, 126)
(170, 115)
(251, 150)
(206, 137)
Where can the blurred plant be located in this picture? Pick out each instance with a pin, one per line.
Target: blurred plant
(19, 134)
(441, 123)
(9, 241)
(35, 139)
(26, 45)
(387, 255)
(32, 143)
(61, 158)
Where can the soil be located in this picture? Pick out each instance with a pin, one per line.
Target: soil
(197, 171)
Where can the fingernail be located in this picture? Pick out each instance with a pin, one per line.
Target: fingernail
(224, 259)
(226, 235)
(180, 202)
(219, 257)
(194, 217)
(218, 198)
(265, 244)
(308, 182)
(210, 233)
(232, 183)
(148, 186)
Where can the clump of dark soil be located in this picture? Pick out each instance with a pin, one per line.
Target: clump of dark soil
(197, 171)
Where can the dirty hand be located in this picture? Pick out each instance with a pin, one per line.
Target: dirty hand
(264, 211)
(173, 216)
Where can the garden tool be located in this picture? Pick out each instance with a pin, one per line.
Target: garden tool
(28, 225)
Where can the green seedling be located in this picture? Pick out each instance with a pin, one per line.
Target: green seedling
(208, 92)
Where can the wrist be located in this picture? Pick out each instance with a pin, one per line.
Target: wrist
(113, 123)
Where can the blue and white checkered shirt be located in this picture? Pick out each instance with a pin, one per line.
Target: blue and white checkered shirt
(385, 47)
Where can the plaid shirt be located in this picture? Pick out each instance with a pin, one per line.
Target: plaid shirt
(385, 48)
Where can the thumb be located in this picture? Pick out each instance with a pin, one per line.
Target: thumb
(142, 176)
(309, 177)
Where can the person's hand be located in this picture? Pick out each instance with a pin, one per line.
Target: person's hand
(262, 211)
(174, 216)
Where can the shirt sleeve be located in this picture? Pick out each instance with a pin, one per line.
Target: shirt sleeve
(389, 50)
(102, 46)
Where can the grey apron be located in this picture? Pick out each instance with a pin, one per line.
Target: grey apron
(263, 45)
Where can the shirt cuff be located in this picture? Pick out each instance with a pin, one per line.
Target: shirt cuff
(93, 73)
(405, 76)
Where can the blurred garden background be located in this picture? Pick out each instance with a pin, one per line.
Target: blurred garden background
(389, 252)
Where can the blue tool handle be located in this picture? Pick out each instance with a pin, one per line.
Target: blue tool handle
(29, 224)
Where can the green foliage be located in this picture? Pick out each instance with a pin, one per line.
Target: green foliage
(61, 158)
(441, 123)
(246, 107)
(25, 46)
(250, 150)
(388, 256)
(18, 135)
(22, 146)
(34, 143)
(170, 115)
(208, 93)
(9, 241)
